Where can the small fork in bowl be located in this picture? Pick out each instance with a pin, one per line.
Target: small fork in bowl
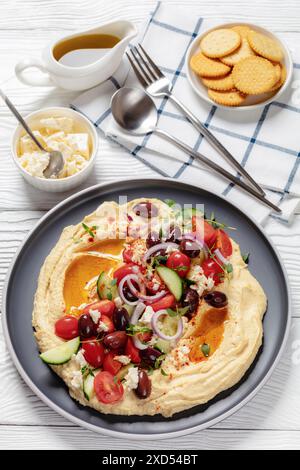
(158, 85)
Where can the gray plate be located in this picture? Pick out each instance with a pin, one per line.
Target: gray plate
(21, 285)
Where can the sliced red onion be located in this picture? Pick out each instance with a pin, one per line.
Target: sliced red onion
(157, 331)
(146, 298)
(123, 281)
(223, 260)
(133, 320)
(158, 247)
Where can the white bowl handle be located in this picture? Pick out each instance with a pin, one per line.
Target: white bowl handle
(33, 80)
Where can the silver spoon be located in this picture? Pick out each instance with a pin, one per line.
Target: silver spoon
(135, 112)
(56, 159)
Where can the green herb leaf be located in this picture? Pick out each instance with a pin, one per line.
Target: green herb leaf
(158, 361)
(179, 312)
(229, 268)
(188, 282)
(113, 282)
(83, 369)
(246, 257)
(109, 295)
(132, 330)
(170, 202)
(115, 379)
(150, 371)
(89, 230)
(158, 260)
(205, 348)
(215, 224)
(163, 373)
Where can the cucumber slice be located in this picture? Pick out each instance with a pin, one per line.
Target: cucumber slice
(163, 345)
(123, 371)
(104, 288)
(172, 280)
(88, 386)
(62, 353)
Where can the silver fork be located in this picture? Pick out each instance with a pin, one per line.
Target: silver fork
(157, 84)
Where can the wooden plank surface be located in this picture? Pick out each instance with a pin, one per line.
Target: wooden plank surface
(272, 418)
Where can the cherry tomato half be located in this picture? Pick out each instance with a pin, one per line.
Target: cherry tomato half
(166, 302)
(107, 389)
(204, 230)
(179, 262)
(121, 272)
(93, 352)
(223, 243)
(132, 352)
(105, 307)
(127, 255)
(108, 323)
(212, 269)
(67, 327)
(110, 364)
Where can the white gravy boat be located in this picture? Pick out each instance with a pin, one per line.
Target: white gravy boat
(82, 77)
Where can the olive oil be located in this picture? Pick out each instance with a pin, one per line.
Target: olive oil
(83, 50)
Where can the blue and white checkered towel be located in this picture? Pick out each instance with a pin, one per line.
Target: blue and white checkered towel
(266, 141)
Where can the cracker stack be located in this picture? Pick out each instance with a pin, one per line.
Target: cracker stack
(236, 62)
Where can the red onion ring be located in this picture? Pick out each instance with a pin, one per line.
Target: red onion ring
(133, 320)
(146, 298)
(157, 331)
(223, 260)
(125, 279)
(159, 246)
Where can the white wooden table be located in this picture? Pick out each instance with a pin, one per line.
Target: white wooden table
(272, 418)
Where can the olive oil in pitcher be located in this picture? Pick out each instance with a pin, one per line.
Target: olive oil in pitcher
(83, 50)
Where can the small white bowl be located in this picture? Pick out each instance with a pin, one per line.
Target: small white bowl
(56, 184)
(251, 102)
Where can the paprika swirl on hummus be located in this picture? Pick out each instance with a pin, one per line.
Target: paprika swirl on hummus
(146, 309)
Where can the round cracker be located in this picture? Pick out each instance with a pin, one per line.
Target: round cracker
(227, 98)
(220, 42)
(281, 80)
(254, 75)
(220, 84)
(206, 67)
(241, 53)
(265, 46)
(242, 30)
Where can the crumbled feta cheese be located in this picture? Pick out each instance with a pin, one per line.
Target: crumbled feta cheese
(35, 162)
(79, 143)
(202, 282)
(57, 124)
(95, 314)
(80, 359)
(118, 302)
(75, 309)
(76, 381)
(147, 315)
(182, 354)
(132, 378)
(102, 327)
(122, 359)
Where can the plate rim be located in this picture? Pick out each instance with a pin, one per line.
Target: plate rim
(120, 434)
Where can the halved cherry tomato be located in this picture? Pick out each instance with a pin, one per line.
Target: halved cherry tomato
(206, 231)
(93, 352)
(121, 272)
(166, 302)
(179, 262)
(213, 269)
(110, 364)
(132, 352)
(223, 243)
(107, 322)
(67, 327)
(107, 389)
(105, 307)
(127, 255)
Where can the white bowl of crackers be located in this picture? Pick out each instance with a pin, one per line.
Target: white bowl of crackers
(239, 65)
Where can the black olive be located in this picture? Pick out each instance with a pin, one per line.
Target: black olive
(121, 319)
(143, 389)
(150, 355)
(86, 326)
(174, 234)
(216, 299)
(190, 299)
(152, 239)
(190, 248)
